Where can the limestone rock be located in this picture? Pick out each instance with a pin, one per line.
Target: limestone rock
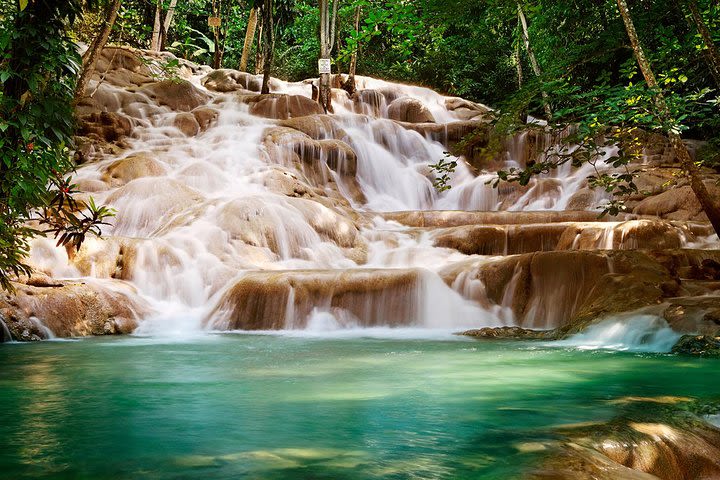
(698, 345)
(187, 123)
(267, 300)
(407, 109)
(178, 95)
(71, 309)
(106, 126)
(511, 333)
(226, 80)
(280, 106)
(130, 168)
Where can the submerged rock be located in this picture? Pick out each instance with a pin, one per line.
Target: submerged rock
(698, 345)
(648, 440)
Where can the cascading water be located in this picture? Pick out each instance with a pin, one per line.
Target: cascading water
(276, 219)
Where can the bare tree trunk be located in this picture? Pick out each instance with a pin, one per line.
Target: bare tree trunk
(518, 65)
(327, 38)
(268, 44)
(217, 55)
(166, 24)
(93, 52)
(349, 85)
(249, 36)
(259, 49)
(709, 205)
(712, 52)
(533, 61)
(157, 25)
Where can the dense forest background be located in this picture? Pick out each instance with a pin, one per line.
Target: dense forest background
(467, 48)
(612, 69)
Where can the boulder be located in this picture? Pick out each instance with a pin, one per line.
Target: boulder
(676, 204)
(105, 126)
(135, 166)
(187, 123)
(226, 80)
(280, 106)
(205, 117)
(178, 95)
(70, 309)
(412, 110)
(508, 333)
(698, 345)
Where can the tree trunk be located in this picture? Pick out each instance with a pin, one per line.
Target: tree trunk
(217, 55)
(166, 24)
(157, 25)
(533, 61)
(709, 205)
(93, 52)
(249, 36)
(268, 44)
(712, 53)
(327, 34)
(259, 49)
(349, 85)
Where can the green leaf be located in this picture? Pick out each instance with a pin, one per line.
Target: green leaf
(23, 4)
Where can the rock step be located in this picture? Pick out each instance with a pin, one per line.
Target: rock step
(274, 300)
(542, 237)
(455, 218)
(570, 290)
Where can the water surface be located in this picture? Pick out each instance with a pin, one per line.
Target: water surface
(285, 407)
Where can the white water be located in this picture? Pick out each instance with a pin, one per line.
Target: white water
(225, 202)
(639, 333)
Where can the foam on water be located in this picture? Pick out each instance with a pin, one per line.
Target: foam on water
(639, 333)
(213, 209)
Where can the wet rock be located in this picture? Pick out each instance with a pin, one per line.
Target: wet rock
(451, 218)
(407, 109)
(281, 107)
(226, 80)
(105, 126)
(508, 333)
(698, 345)
(187, 123)
(676, 204)
(205, 117)
(647, 440)
(147, 204)
(287, 225)
(694, 314)
(135, 166)
(369, 102)
(571, 290)
(178, 95)
(69, 309)
(317, 127)
(272, 300)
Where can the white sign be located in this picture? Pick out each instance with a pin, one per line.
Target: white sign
(324, 65)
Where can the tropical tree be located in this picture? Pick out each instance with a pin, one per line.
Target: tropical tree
(38, 69)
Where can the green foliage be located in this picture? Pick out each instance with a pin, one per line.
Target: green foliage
(38, 68)
(443, 170)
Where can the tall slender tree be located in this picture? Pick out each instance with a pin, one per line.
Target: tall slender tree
(349, 84)
(268, 44)
(710, 206)
(93, 52)
(249, 36)
(327, 40)
(531, 55)
(712, 52)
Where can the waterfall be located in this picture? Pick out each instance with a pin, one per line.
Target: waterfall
(259, 206)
